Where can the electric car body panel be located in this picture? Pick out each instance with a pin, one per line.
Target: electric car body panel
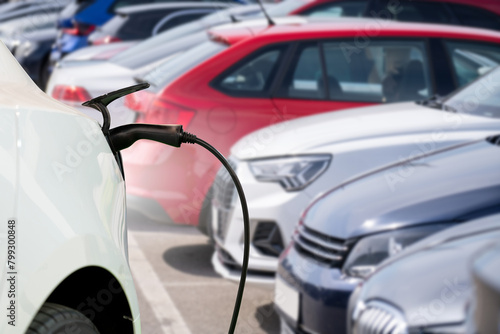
(249, 86)
(437, 301)
(346, 232)
(63, 204)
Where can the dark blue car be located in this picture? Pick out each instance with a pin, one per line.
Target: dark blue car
(347, 232)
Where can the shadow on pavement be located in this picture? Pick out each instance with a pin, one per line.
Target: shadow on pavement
(191, 259)
(268, 318)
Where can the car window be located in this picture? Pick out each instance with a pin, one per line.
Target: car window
(471, 59)
(252, 76)
(383, 71)
(168, 71)
(123, 3)
(304, 79)
(476, 17)
(140, 25)
(338, 9)
(178, 20)
(415, 11)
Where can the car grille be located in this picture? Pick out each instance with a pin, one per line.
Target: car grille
(224, 198)
(267, 239)
(380, 318)
(322, 248)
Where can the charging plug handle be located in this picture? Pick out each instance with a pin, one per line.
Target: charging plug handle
(124, 136)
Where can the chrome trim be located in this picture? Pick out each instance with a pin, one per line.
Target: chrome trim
(316, 251)
(380, 318)
(311, 238)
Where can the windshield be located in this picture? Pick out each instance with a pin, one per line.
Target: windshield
(168, 71)
(482, 97)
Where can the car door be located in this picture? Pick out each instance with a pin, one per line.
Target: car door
(335, 74)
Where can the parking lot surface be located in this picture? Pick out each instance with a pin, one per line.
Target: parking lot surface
(178, 290)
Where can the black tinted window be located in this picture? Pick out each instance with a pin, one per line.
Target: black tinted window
(476, 17)
(304, 79)
(383, 71)
(253, 76)
(414, 11)
(140, 25)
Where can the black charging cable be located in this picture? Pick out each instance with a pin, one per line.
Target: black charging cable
(124, 136)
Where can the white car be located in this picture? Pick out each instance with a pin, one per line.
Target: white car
(285, 166)
(63, 237)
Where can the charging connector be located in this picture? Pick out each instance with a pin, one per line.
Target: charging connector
(124, 136)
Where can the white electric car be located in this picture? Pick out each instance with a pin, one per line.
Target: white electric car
(63, 238)
(285, 166)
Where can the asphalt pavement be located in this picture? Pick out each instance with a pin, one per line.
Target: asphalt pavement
(179, 292)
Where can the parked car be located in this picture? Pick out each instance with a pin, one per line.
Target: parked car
(21, 9)
(482, 13)
(63, 206)
(276, 73)
(142, 21)
(13, 30)
(283, 167)
(349, 230)
(485, 306)
(76, 80)
(81, 17)
(437, 300)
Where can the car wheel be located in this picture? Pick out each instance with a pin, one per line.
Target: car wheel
(58, 319)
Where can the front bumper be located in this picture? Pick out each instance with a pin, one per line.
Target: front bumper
(322, 294)
(268, 204)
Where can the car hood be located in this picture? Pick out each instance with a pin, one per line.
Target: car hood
(447, 283)
(319, 131)
(449, 185)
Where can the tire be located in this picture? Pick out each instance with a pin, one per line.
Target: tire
(58, 319)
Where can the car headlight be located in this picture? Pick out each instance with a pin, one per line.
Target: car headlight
(369, 252)
(25, 49)
(292, 173)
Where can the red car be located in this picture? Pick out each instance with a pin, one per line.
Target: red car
(257, 75)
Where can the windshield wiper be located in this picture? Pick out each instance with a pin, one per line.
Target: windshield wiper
(437, 102)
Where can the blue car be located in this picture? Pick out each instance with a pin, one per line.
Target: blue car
(436, 301)
(348, 231)
(81, 17)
